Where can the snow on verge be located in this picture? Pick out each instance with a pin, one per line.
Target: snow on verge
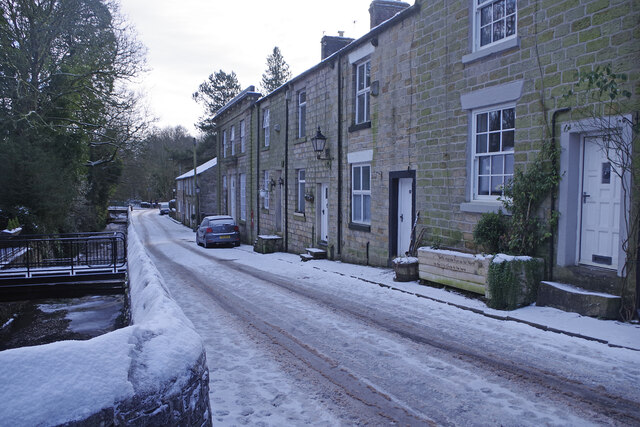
(70, 380)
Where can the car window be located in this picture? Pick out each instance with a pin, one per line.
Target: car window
(221, 222)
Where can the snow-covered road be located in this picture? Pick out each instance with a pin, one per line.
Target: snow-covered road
(288, 344)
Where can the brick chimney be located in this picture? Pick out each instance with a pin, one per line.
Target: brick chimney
(332, 44)
(381, 10)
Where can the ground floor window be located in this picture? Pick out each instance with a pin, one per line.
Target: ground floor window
(361, 193)
(300, 205)
(243, 196)
(493, 146)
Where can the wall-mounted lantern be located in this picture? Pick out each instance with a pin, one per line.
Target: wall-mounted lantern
(318, 142)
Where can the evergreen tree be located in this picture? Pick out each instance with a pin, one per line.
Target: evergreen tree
(213, 94)
(277, 72)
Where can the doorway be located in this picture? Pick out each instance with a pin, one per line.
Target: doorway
(599, 207)
(402, 189)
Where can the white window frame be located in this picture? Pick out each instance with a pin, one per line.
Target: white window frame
(359, 194)
(266, 119)
(242, 137)
(243, 196)
(301, 183)
(504, 136)
(494, 21)
(266, 188)
(232, 138)
(302, 113)
(224, 143)
(363, 91)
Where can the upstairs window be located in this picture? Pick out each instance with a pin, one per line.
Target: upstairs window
(232, 139)
(242, 137)
(363, 92)
(265, 126)
(302, 114)
(224, 143)
(495, 20)
(494, 140)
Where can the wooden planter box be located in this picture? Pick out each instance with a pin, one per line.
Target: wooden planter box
(455, 269)
(508, 282)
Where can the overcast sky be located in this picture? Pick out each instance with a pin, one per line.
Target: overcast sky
(189, 39)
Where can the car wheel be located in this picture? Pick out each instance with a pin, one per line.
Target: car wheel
(237, 244)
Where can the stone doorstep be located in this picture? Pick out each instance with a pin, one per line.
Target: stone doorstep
(574, 299)
(317, 253)
(306, 257)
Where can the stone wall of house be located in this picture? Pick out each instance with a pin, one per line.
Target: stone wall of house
(321, 91)
(391, 136)
(555, 39)
(236, 162)
(208, 183)
(272, 159)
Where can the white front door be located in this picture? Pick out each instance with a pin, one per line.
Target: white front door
(232, 197)
(600, 207)
(405, 211)
(324, 212)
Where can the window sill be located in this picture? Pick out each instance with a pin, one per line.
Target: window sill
(359, 126)
(491, 50)
(300, 140)
(481, 206)
(264, 148)
(299, 216)
(360, 227)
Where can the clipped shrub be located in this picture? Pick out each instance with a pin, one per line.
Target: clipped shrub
(513, 281)
(491, 232)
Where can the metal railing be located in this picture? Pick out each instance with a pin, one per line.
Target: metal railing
(63, 254)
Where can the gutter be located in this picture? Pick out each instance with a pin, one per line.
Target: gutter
(286, 170)
(339, 234)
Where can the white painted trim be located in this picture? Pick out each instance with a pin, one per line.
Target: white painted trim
(361, 52)
(360, 156)
(494, 95)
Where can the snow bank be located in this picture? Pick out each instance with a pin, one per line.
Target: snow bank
(154, 368)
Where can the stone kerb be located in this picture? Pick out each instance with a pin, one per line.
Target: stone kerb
(153, 372)
(456, 269)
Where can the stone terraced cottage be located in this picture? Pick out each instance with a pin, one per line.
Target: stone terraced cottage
(431, 112)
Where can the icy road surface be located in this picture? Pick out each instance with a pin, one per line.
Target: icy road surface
(290, 344)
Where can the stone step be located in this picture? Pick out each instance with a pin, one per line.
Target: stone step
(306, 257)
(317, 253)
(590, 278)
(574, 299)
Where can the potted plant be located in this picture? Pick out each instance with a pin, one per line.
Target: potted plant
(405, 268)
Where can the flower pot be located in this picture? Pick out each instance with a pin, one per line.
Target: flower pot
(406, 269)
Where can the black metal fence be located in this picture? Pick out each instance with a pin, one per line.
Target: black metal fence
(63, 254)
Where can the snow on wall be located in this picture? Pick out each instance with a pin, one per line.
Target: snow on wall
(152, 372)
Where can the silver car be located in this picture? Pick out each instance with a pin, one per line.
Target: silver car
(218, 230)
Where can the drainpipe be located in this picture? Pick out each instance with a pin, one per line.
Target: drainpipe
(257, 146)
(339, 62)
(287, 96)
(553, 194)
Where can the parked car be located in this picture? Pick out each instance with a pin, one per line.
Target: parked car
(164, 208)
(218, 230)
